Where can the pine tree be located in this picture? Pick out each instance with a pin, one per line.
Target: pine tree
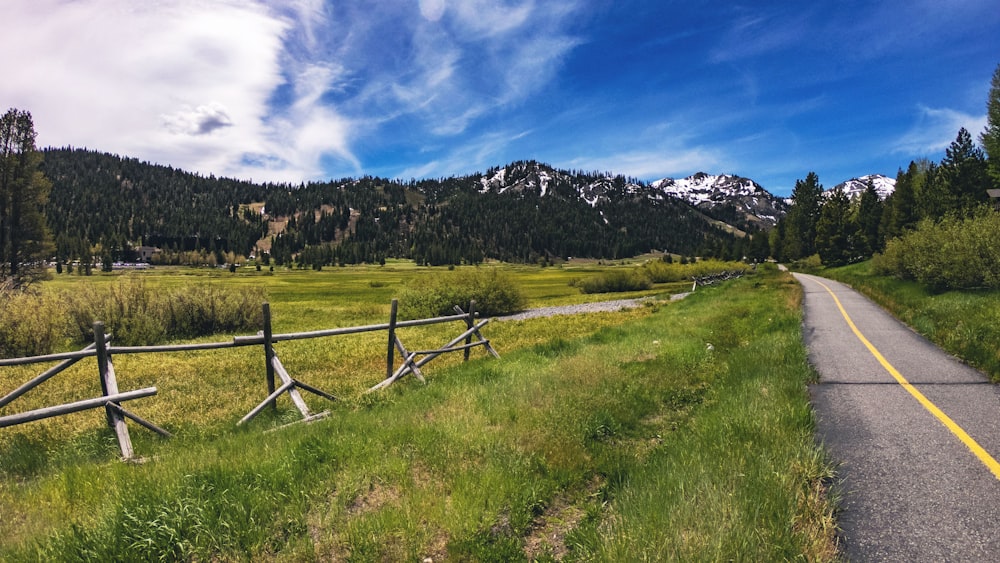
(903, 213)
(24, 190)
(869, 219)
(835, 231)
(963, 171)
(800, 229)
(990, 137)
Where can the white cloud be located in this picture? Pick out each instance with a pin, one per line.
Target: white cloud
(935, 129)
(272, 91)
(754, 35)
(432, 9)
(201, 120)
(184, 83)
(142, 79)
(468, 60)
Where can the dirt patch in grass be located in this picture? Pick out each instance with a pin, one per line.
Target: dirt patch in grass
(377, 496)
(550, 528)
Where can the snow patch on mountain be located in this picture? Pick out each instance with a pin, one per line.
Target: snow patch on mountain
(854, 187)
(713, 191)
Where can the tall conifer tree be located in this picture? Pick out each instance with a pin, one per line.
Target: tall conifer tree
(869, 218)
(800, 230)
(963, 171)
(24, 190)
(990, 137)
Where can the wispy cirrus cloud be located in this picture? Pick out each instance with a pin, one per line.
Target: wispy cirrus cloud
(934, 129)
(753, 34)
(273, 91)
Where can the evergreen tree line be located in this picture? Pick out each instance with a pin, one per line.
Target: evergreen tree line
(102, 206)
(841, 231)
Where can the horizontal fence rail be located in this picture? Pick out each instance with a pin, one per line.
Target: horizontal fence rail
(78, 406)
(48, 358)
(102, 350)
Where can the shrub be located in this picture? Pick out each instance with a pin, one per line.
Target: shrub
(30, 323)
(493, 291)
(135, 314)
(205, 309)
(616, 281)
(954, 253)
(126, 308)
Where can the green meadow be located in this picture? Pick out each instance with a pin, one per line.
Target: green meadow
(677, 430)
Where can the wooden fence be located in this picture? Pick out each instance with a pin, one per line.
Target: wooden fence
(715, 278)
(111, 398)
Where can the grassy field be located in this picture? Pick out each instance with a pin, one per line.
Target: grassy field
(962, 322)
(674, 431)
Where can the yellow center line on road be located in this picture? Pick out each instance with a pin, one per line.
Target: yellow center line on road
(957, 430)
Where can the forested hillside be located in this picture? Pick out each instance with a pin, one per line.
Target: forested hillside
(102, 206)
(104, 203)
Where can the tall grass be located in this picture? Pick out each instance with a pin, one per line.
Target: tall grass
(26, 323)
(615, 281)
(679, 431)
(135, 313)
(642, 277)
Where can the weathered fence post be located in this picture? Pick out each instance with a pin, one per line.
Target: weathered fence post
(269, 353)
(471, 320)
(109, 386)
(101, 346)
(390, 355)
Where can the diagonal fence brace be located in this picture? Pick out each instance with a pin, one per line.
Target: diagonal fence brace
(291, 386)
(409, 365)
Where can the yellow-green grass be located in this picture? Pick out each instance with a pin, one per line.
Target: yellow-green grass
(593, 433)
(963, 322)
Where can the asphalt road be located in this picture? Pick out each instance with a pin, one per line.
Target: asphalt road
(912, 488)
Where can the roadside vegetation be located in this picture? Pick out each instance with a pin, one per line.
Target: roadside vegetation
(961, 321)
(650, 272)
(674, 431)
(36, 323)
(953, 253)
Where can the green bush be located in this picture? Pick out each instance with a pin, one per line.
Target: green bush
(30, 323)
(206, 309)
(127, 308)
(953, 253)
(808, 264)
(40, 323)
(616, 281)
(493, 291)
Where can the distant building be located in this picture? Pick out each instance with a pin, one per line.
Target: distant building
(995, 198)
(145, 253)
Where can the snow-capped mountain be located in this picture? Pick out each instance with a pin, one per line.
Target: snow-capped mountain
(594, 188)
(854, 187)
(719, 194)
(739, 201)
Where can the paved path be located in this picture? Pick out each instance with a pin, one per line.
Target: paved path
(913, 489)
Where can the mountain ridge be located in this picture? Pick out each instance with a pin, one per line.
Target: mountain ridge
(523, 211)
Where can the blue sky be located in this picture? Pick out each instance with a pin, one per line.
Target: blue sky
(311, 90)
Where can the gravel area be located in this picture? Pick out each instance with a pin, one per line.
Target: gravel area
(596, 307)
